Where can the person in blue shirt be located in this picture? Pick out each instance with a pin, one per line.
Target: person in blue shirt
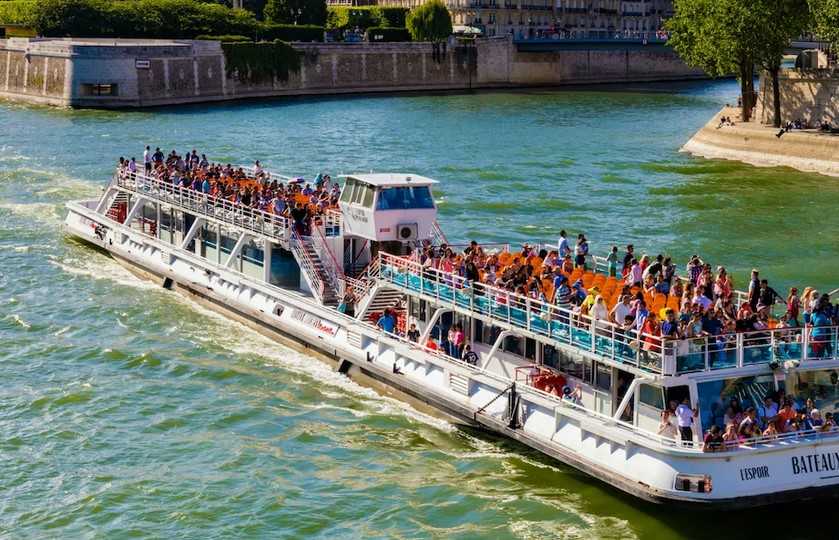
(387, 322)
(820, 338)
(205, 186)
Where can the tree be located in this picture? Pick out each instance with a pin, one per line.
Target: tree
(430, 21)
(296, 11)
(781, 21)
(826, 19)
(723, 37)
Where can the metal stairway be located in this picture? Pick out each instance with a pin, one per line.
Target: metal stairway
(118, 209)
(318, 278)
(381, 298)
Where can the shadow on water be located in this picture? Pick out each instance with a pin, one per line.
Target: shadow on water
(653, 521)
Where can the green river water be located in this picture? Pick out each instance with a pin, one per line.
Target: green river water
(127, 411)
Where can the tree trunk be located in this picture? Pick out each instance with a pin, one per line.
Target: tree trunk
(745, 90)
(776, 94)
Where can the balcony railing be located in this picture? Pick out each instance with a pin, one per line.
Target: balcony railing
(598, 337)
(776, 347)
(201, 204)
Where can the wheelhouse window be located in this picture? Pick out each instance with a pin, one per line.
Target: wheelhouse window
(405, 198)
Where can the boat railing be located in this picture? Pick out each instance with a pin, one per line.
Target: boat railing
(203, 204)
(307, 265)
(439, 237)
(527, 390)
(780, 348)
(361, 286)
(332, 220)
(598, 337)
(332, 269)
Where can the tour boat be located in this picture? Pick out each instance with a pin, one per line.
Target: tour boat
(257, 268)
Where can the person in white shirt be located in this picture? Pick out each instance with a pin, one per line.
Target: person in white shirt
(684, 419)
(564, 249)
(147, 159)
(621, 310)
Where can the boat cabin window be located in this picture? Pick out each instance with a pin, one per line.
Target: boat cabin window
(347, 192)
(512, 345)
(716, 396)
(603, 377)
(417, 309)
(550, 357)
(530, 348)
(577, 368)
(652, 396)
(405, 198)
(821, 386)
(358, 193)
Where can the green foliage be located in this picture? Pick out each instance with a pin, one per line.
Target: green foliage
(291, 32)
(261, 62)
(733, 36)
(16, 12)
(430, 21)
(140, 19)
(393, 17)
(345, 17)
(225, 38)
(296, 11)
(387, 34)
(826, 19)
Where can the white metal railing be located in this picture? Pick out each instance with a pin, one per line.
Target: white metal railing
(332, 270)
(201, 204)
(308, 266)
(439, 237)
(361, 287)
(800, 346)
(599, 337)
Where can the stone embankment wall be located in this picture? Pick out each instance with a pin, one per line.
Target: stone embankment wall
(139, 73)
(809, 95)
(757, 144)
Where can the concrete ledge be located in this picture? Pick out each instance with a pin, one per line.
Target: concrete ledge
(130, 73)
(758, 145)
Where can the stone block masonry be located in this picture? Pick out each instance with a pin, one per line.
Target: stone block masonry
(107, 73)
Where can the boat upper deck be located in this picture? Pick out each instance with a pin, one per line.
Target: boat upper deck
(631, 345)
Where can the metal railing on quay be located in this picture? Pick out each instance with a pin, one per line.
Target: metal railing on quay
(203, 204)
(599, 337)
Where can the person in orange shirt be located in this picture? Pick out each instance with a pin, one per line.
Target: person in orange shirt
(785, 417)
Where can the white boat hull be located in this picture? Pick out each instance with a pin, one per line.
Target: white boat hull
(794, 469)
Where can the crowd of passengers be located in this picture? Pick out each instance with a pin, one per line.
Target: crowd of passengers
(700, 302)
(743, 422)
(299, 201)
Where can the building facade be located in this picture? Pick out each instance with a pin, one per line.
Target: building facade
(596, 19)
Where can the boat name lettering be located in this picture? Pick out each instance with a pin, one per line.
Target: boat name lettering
(358, 216)
(310, 320)
(815, 463)
(751, 473)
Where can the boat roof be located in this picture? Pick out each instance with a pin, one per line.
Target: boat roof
(391, 179)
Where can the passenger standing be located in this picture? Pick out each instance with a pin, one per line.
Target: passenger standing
(581, 251)
(684, 418)
(147, 159)
(754, 290)
(628, 257)
(612, 259)
(564, 249)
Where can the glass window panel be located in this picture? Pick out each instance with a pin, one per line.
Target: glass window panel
(405, 198)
